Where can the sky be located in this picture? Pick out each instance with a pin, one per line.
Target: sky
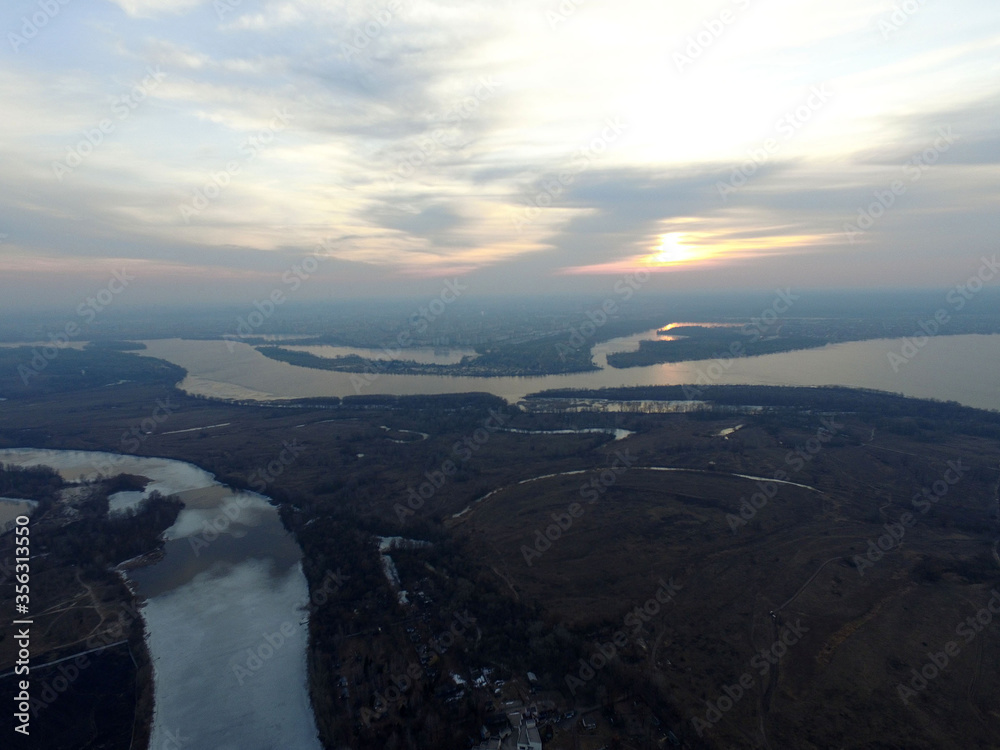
(206, 148)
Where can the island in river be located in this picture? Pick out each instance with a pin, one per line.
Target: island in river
(684, 510)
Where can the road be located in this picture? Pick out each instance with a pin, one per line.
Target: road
(67, 658)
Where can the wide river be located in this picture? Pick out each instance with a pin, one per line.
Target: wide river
(224, 610)
(948, 368)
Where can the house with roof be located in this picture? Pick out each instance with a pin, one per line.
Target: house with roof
(528, 737)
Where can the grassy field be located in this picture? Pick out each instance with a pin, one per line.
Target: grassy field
(798, 558)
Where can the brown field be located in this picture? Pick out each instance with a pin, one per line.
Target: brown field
(837, 686)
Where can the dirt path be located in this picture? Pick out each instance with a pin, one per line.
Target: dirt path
(804, 585)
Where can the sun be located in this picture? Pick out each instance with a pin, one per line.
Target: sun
(672, 250)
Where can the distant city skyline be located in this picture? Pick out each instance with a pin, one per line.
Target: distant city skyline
(210, 149)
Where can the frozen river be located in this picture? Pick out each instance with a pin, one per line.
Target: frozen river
(224, 610)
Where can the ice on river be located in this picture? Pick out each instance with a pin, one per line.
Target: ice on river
(232, 637)
(223, 610)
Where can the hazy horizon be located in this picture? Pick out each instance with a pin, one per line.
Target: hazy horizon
(208, 149)
(719, 303)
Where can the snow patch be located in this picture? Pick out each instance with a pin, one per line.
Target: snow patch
(122, 501)
(619, 434)
(12, 507)
(195, 429)
(387, 544)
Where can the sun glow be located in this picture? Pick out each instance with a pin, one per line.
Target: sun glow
(703, 249)
(675, 248)
(700, 248)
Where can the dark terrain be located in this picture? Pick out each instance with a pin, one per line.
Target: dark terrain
(796, 556)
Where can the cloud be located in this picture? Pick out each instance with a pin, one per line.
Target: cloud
(151, 8)
(276, 16)
(430, 135)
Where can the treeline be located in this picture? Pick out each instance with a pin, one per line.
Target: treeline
(96, 541)
(873, 405)
(540, 357)
(561, 351)
(435, 402)
(757, 338)
(564, 351)
(510, 636)
(431, 402)
(110, 705)
(341, 559)
(38, 483)
(27, 372)
(349, 362)
(711, 344)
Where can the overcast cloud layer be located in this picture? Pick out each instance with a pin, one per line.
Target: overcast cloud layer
(524, 145)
